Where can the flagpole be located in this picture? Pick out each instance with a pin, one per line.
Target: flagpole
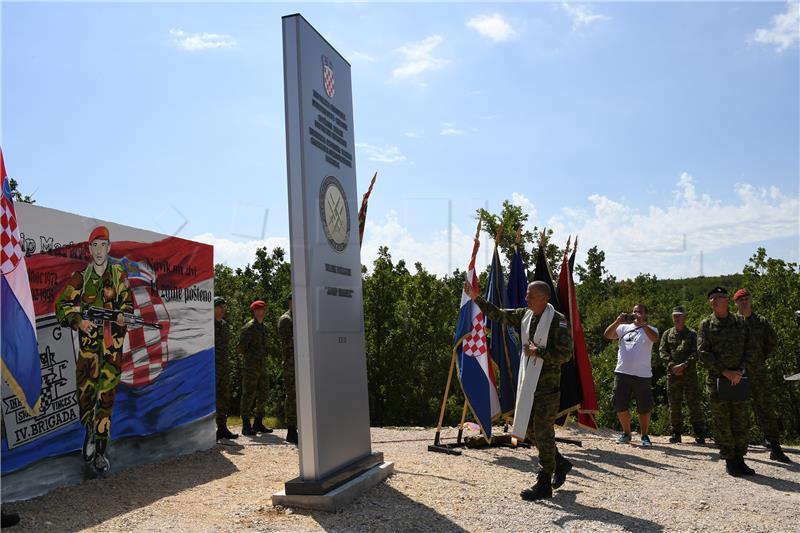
(461, 425)
(444, 401)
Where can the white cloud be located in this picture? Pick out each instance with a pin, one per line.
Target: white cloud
(527, 208)
(785, 29)
(411, 135)
(360, 57)
(387, 154)
(448, 128)
(432, 253)
(652, 240)
(419, 58)
(237, 254)
(492, 26)
(201, 41)
(582, 15)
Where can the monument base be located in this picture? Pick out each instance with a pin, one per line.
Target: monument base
(341, 495)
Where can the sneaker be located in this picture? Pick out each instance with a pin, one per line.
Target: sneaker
(625, 438)
(646, 441)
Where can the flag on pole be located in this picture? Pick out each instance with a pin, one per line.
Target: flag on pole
(472, 354)
(19, 349)
(588, 408)
(503, 342)
(517, 280)
(570, 383)
(543, 273)
(362, 213)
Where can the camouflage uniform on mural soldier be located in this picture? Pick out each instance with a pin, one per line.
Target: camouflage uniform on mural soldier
(223, 369)
(724, 347)
(286, 334)
(764, 342)
(679, 351)
(554, 467)
(100, 285)
(255, 381)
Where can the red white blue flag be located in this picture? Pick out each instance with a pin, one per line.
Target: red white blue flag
(19, 349)
(474, 368)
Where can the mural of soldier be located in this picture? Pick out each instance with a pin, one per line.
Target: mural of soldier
(94, 303)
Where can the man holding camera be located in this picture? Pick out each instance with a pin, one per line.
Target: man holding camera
(634, 370)
(679, 351)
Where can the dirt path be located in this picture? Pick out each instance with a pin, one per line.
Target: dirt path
(612, 488)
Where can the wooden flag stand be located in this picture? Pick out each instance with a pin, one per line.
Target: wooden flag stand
(437, 445)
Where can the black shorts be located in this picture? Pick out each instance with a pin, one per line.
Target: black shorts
(626, 387)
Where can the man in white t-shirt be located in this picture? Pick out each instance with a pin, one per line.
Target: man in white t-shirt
(634, 370)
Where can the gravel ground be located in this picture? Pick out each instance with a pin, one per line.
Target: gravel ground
(671, 487)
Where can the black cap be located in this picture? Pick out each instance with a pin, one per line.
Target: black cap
(718, 290)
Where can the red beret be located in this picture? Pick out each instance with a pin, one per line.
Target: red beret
(100, 232)
(740, 294)
(258, 304)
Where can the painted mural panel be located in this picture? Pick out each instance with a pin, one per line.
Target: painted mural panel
(126, 343)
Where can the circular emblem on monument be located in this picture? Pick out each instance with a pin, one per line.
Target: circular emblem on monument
(334, 212)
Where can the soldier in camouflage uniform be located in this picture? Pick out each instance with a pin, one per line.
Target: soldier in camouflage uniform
(255, 381)
(679, 352)
(223, 369)
(286, 334)
(724, 347)
(764, 342)
(99, 365)
(553, 466)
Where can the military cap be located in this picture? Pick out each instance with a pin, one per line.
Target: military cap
(679, 310)
(219, 300)
(718, 290)
(741, 293)
(258, 304)
(100, 232)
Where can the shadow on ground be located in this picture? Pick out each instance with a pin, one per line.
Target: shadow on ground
(565, 500)
(384, 508)
(97, 500)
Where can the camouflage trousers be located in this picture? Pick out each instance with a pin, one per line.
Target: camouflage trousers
(764, 405)
(255, 386)
(98, 370)
(731, 426)
(541, 431)
(290, 401)
(223, 379)
(680, 388)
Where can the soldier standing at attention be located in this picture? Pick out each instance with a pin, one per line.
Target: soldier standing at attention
(558, 350)
(724, 347)
(679, 352)
(255, 382)
(222, 364)
(99, 365)
(286, 334)
(764, 341)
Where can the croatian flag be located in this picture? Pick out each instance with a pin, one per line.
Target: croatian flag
(20, 349)
(474, 369)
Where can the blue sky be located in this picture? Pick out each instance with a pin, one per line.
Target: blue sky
(630, 124)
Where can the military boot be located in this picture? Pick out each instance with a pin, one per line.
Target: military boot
(224, 433)
(563, 466)
(246, 429)
(733, 468)
(101, 462)
(746, 470)
(259, 426)
(87, 451)
(675, 438)
(291, 435)
(700, 435)
(543, 488)
(776, 452)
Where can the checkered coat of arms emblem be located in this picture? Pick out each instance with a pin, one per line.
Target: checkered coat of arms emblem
(327, 77)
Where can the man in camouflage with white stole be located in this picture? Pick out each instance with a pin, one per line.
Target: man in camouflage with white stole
(255, 381)
(223, 369)
(102, 285)
(286, 334)
(724, 346)
(764, 342)
(679, 352)
(553, 466)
